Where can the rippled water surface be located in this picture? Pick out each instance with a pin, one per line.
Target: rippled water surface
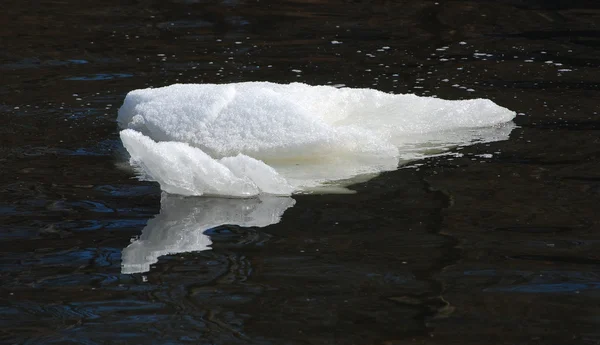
(494, 243)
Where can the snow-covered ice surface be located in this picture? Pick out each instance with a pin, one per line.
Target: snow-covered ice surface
(252, 138)
(180, 225)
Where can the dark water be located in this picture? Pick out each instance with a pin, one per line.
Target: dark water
(461, 250)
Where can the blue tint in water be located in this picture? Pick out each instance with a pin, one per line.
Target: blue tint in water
(127, 190)
(219, 232)
(101, 76)
(88, 226)
(103, 148)
(108, 257)
(6, 311)
(94, 224)
(92, 206)
(238, 21)
(97, 308)
(36, 63)
(126, 223)
(8, 210)
(85, 152)
(78, 62)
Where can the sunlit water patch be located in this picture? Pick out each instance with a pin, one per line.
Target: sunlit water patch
(252, 138)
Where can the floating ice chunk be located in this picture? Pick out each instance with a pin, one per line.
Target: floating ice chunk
(291, 136)
(182, 221)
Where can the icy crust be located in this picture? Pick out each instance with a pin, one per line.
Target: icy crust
(283, 121)
(250, 138)
(185, 170)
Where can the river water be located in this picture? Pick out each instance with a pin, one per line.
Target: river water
(495, 243)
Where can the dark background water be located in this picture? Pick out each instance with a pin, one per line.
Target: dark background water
(461, 250)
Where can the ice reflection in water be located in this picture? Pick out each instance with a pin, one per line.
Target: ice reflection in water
(182, 221)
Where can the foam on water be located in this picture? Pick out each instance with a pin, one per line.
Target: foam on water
(252, 138)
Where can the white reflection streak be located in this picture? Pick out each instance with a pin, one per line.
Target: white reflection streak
(180, 225)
